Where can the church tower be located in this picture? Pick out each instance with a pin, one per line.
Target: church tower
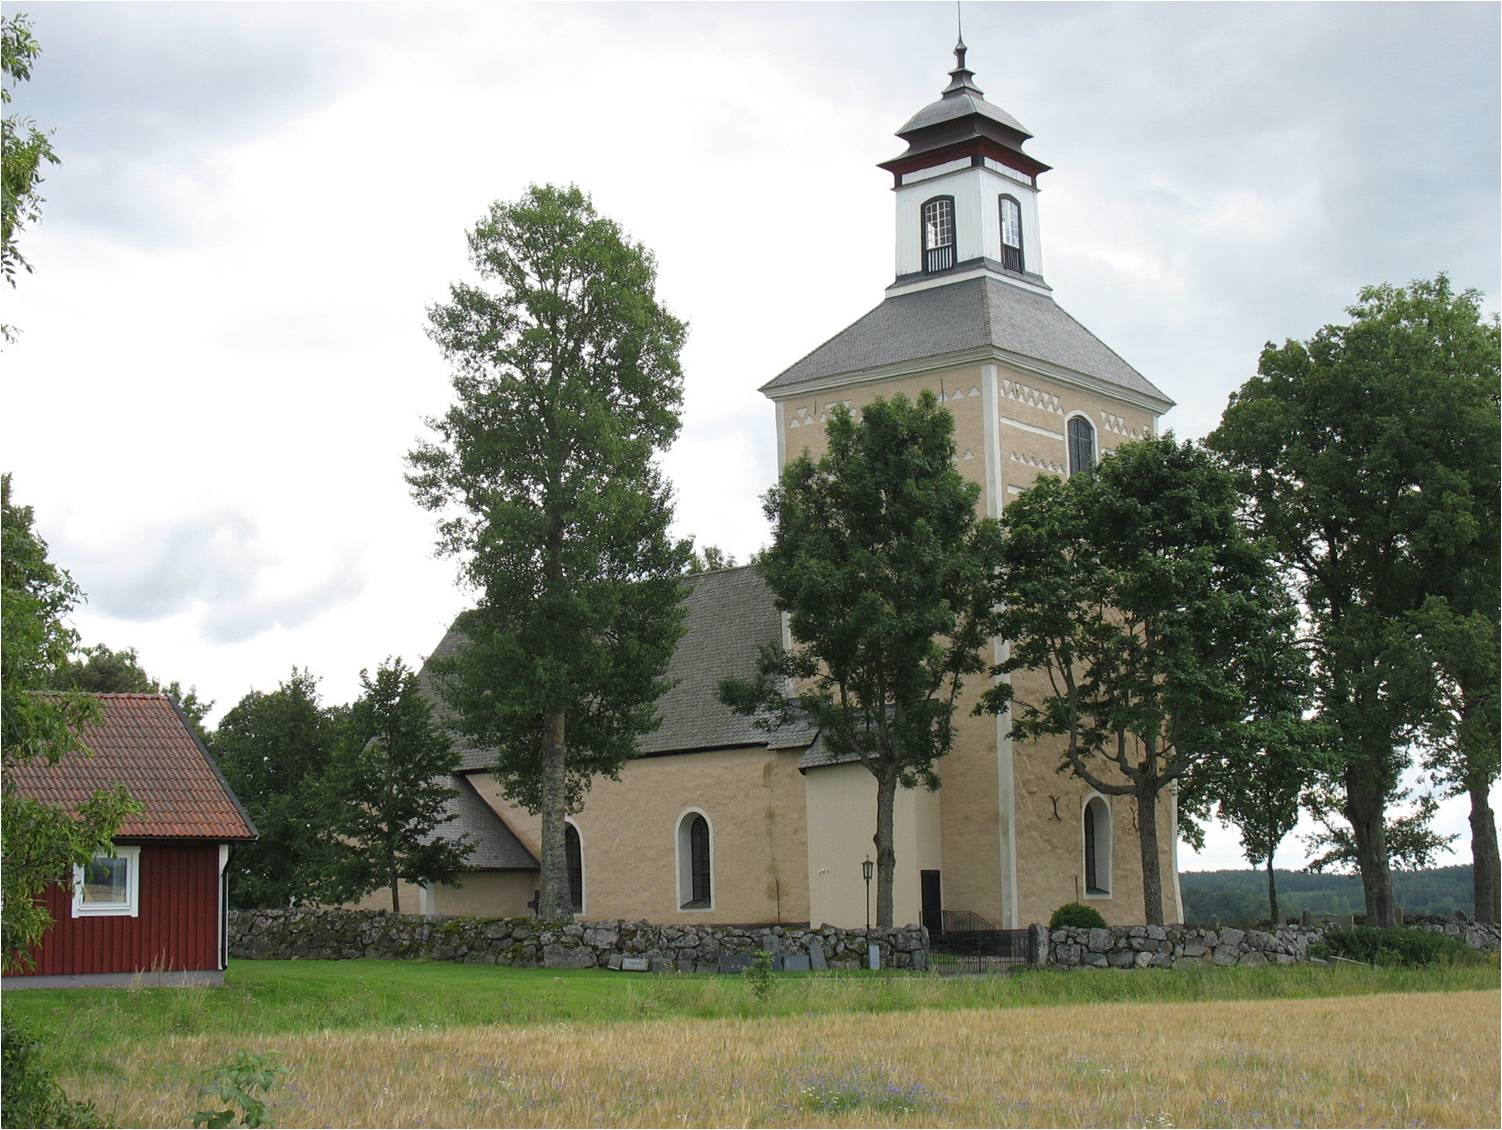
(969, 317)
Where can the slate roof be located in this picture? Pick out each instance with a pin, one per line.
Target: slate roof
(974, 314)
(496, 847)
(142, 742)
(728, 615)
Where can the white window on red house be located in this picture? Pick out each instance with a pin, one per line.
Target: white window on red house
(108, 884)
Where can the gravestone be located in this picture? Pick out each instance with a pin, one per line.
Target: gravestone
(873, 955)
(735, 962)
(634, 964)
(816, 955)
(796, 963)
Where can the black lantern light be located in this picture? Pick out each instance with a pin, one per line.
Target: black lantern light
(866, 868)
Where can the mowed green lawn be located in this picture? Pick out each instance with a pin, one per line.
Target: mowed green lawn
(271, 997)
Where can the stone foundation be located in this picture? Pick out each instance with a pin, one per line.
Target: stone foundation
(333, 934)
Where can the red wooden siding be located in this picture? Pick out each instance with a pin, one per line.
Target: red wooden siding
(177, 929)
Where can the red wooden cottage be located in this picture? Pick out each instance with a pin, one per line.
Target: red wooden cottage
(155, 910)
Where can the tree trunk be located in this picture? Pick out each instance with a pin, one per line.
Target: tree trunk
(1486, 868)
(886, 855)
(1366, 809)
(391, 877)
(1147, 839)
(1272, 891)
(555, 905)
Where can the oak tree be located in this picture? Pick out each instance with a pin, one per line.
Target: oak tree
(887, 576)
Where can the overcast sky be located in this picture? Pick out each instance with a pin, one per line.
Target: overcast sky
(223, 358)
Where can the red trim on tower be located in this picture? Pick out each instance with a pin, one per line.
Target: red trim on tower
(969, 147)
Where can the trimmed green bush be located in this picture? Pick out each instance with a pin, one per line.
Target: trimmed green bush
(1076, 914)
(1395, 945)
(32, 1096)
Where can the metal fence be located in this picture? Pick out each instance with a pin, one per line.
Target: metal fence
(980, 951)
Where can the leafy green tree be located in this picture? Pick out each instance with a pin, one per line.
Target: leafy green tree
(1370, 456)
(1153, 617)
(1463, 730)
(1412, 843)
(388, 789)
(24, 150)
(275, 748)
(710, 558)
(41, 844)
(102, 670)
(887, 576)
(567, 385)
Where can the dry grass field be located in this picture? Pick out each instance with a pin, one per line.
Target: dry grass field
(1383, 1060)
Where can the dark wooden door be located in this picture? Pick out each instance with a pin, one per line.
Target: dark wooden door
(933, 902)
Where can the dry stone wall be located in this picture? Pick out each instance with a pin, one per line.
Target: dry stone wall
(340, 934)
(1163, 947)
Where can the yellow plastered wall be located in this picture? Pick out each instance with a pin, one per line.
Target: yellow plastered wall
(628, 831)
(841, 823)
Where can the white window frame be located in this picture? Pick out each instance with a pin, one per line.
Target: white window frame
(1105, 838)
(131, 907)
(583, 867)
(683, 861)
(1094, 442)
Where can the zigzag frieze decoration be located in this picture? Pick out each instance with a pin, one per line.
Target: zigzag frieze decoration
(1047, 465)
(967, 455)
(1036, 398)
(806, 417)
(1118, 424)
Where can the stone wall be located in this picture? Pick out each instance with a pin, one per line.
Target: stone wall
(1163, 947)
(338, 934)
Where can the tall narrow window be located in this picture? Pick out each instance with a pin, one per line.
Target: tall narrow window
(695, 862)
(938, 234)
(1097, 818)
(1011, 234)
(1081, 433)
(575, 853)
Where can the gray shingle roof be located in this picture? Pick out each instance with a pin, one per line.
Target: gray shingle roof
(969, 315)
(496, 847)
(728, 616)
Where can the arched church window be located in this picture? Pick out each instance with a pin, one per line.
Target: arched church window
(695, 862)
(1081, 438)
(1011, 234)
(938, 234)
(1097, 818)
(574, 849)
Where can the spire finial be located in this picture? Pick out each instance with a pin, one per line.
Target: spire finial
(959, 39)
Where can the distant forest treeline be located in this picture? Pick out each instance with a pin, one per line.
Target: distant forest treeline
(1241, 896)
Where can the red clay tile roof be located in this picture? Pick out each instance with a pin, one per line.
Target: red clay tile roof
(143, 743)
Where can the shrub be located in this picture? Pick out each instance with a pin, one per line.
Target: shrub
(1076, 914)
(32, 1096)
(759, 974)
(1394, 945)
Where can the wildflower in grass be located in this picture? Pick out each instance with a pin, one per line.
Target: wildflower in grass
(868, 1089)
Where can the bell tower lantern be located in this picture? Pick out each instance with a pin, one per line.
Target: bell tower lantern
(966, 193)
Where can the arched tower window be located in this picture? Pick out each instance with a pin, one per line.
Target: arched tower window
(574, 848)
(1081, 437)
(1011, 234)
(938, 234)
(695, 862)
(1097, 817)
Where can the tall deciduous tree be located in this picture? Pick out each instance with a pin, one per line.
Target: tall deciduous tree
(274, 748)
(887, 575)
(1153, 617)
(24, 150)
(388, 789)
(41, 844)
(1370, 454)
(567, 385)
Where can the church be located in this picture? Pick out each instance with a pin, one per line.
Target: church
(720, 822)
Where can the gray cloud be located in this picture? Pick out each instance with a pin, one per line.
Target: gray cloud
(221, 563)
